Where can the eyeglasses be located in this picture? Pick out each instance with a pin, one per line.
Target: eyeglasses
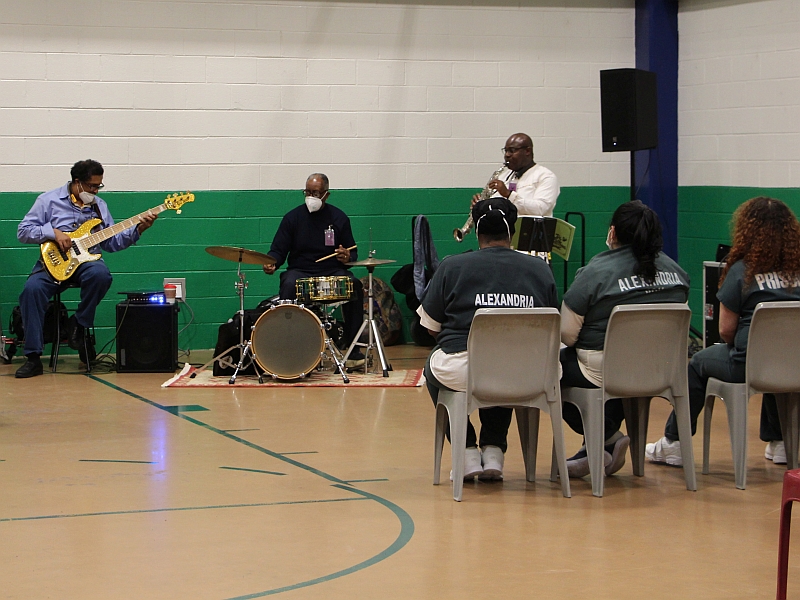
(315, 194)
(92, 186)
(511, 150)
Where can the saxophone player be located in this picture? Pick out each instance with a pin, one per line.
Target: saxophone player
(532, 188)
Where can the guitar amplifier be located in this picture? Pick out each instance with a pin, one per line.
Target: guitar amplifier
(147, 338)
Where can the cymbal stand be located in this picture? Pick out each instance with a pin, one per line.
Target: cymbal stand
(374, 336)
(244, 347)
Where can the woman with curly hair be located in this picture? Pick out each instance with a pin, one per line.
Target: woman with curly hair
(632, 271)
(763, 266)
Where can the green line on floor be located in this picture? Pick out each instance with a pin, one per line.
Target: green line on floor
(184, 408)
(179, 509)
(253, 470)
(349, 481)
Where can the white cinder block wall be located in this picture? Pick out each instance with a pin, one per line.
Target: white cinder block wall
(252, 94)
(739, 96)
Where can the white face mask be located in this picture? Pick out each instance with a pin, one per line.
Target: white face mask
(609, 240)
(313, 204)
(86, 197)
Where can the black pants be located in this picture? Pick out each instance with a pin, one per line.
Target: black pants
(352, 310)
(572, 376)
(495, 421)
(715, 361)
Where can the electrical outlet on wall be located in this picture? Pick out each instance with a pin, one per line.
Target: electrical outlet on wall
(180, 286)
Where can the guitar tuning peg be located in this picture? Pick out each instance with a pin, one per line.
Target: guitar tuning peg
(178, 211)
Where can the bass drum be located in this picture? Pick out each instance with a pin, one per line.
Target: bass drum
(288, 341)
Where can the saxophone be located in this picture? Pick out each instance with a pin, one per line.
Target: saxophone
(458, 234)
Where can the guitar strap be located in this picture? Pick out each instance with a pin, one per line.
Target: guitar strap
(97, 212)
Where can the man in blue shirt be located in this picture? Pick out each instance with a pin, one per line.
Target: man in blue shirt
(306, 234)
(53, 215)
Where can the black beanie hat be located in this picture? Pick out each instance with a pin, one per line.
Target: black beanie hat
(492, 215)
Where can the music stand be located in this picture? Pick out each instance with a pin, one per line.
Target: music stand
(534, 234)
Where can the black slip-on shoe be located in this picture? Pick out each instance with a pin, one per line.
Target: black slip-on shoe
(31, 368)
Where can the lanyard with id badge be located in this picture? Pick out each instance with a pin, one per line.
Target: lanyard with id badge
(330, 238)
(512, 185)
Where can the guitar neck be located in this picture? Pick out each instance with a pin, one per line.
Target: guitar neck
(109, 232)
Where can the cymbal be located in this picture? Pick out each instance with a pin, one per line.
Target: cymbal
(240, 255)
(370, 262)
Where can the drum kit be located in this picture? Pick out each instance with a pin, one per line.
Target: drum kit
(289, 341)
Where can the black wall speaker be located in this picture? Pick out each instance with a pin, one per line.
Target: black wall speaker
(147, 338)
(629, 109)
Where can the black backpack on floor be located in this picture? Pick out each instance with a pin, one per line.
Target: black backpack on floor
(48, 327)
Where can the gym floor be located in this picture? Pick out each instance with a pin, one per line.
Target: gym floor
(113, 487)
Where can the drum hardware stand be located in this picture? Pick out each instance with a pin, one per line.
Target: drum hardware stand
(336, 356)
(372, 326)
(331, 352)
(245, 348)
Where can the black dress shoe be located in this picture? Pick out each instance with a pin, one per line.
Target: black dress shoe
(31, 368)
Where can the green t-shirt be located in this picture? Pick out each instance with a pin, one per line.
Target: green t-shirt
(765, 287)
(609, 280)
(493, 277)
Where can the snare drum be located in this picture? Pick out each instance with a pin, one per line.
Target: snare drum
(324, 289)
(288, 341)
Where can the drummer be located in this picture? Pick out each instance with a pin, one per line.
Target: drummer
(306, 234)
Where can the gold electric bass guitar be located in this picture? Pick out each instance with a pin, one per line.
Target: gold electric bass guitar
(61, 265)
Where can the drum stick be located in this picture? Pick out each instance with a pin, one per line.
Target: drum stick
(334, 254)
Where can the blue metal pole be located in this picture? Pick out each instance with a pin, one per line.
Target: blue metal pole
(656, 171)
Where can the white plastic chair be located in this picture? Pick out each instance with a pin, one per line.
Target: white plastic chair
(645, 355)
(513, 361)
(773, 366)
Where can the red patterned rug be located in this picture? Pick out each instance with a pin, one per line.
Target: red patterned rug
(205, 378)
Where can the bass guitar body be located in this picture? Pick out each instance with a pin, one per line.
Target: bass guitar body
(61, 265)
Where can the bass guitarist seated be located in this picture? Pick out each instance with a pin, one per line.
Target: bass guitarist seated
(54, 214)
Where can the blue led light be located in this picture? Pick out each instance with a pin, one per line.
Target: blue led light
(157, 299)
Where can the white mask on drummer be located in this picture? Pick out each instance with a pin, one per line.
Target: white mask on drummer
(313, 204)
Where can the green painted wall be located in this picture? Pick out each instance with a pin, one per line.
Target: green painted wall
(175, 246)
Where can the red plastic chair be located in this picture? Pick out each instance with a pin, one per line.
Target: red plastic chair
(791, 493)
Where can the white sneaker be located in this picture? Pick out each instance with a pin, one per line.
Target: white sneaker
(472, 464)
(492, 458)
(664, 452)
(776, 452)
